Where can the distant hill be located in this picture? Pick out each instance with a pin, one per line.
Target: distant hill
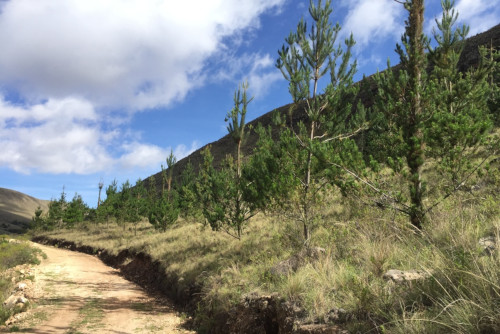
(17, 209)
(220, 148)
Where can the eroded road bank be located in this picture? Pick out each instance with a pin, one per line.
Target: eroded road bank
(77, 293)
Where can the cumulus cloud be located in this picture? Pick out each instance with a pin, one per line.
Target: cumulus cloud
(136, 53)
(143, 155)
(479, 14)
(64, 136)
(258, 69)
(82, 68)
(373, 20)
(58, 136)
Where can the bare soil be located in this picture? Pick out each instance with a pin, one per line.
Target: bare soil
(77, 293)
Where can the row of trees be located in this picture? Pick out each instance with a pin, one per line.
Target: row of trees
(62, 213)
(426, 109)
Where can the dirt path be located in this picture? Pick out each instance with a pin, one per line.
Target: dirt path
(77, 293)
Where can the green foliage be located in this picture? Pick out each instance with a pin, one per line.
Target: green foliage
(168, 172)
(320, 149)
(268, 175)
(164, 211)
(38, 221)
(441, 115)
(220, 194)
(61, 213)
(136, 204)
(110, 206)
(188, 200)
(75, 211)
(56, 212)
(236, 116)
(491, 58)
(13, 254)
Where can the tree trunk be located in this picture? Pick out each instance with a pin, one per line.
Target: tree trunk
(414, 136)
(238, 159)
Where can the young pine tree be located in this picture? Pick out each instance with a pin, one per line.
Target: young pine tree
(163, 211)
(320, 145)
(433, 111)
(75, 211)
(221, 191)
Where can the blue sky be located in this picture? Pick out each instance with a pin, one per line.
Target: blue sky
(94, 90)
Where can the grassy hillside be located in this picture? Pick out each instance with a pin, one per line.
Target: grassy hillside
(344, 285)
(16, 210)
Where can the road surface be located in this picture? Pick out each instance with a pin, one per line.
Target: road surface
(77, 293)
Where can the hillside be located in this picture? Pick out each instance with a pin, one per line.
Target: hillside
(225, 145)
(16, 210)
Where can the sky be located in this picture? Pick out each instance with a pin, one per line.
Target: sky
(92, 90)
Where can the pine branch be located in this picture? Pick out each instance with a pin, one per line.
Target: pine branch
(459, 184)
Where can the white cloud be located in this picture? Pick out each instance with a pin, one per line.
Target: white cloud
(257, 69)
(144, 155)
(134, 53)
(63, 136)
(480, 15)
(182, 151)
(58, 136)
(373, 20)
(82, 68)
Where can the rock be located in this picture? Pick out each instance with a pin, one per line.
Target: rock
(336, 315)
(15, 318)
(10, 302)
(22, 286)
(488, 244)
(295, 261)
(320, 329)
(22, 300)
(13, 300)
(399, 276)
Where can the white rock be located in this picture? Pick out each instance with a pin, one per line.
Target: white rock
(10, 302)
(22, 300)
(22, 286)
(400, 276)
(488, 244)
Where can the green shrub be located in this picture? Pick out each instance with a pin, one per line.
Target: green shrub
(12, 254)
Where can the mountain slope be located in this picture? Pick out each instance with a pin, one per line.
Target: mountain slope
(220, 148)
(17, 209)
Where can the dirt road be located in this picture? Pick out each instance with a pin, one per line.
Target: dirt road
(77, 293)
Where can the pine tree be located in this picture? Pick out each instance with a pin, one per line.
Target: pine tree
(38, 221)
(433, 111)
(237, 124)
(164, 211)
(221, 191)
(303, 61)
(75, 211)
(188, 203)
(136, 207)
